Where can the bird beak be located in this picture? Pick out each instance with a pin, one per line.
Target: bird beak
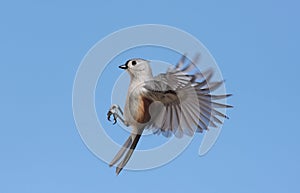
(124, 66)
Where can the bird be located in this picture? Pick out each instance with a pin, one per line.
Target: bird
(178, 102)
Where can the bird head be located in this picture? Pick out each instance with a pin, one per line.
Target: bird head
(138, 68)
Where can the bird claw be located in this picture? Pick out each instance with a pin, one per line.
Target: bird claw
(112, 112)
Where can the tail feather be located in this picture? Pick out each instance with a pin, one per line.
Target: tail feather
(121, 152)
(129, 152)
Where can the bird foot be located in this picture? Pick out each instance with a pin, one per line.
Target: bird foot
(113, 112)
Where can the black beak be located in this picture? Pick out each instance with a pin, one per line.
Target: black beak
(124, 66)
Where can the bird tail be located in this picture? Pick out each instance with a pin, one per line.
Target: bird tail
(130, 143)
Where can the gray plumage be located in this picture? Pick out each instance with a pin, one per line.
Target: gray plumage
(176, 102)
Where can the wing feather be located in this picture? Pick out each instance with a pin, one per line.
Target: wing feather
(187, 99)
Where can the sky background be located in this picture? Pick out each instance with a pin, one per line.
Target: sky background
(255, 43)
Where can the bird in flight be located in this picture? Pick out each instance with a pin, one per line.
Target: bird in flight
(178, 102)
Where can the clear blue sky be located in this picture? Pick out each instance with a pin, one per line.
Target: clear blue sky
(255, 43)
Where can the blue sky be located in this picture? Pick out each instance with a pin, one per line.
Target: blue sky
(255, 44)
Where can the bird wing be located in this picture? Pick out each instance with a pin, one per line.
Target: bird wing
(182, 100)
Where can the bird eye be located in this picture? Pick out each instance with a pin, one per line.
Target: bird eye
(133, 62)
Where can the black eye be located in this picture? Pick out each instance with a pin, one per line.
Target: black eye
(133, 62)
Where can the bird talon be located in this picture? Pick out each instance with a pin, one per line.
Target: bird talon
(115, 119)
(109, 114)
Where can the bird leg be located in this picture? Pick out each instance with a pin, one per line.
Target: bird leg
(114, 111)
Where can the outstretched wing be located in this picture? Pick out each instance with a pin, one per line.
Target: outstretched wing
(185, 102)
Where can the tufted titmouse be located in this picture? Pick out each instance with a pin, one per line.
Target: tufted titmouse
(178, 101)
